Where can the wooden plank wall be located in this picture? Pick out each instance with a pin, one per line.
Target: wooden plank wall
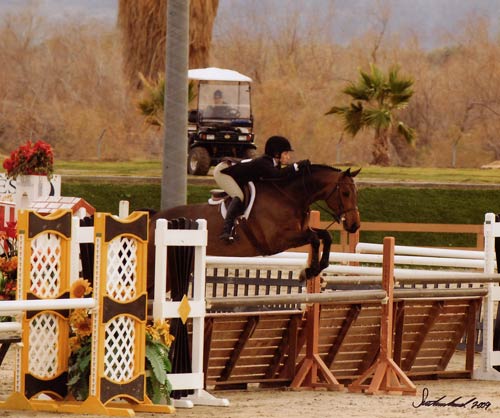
(264, 347)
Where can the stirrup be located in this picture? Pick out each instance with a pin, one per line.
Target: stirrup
(229, 238)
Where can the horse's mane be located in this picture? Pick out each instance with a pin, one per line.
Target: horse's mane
(312, 168)
(324, 166)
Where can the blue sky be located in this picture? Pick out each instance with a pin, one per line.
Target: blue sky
(432, 20)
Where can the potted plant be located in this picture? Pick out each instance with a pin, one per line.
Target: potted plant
(32, 166)
(158, 341)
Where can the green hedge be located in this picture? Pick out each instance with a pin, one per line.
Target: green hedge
(376, 204)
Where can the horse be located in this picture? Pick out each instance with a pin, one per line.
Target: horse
(278, 220)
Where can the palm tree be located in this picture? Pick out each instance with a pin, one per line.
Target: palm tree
(152, 104)
(376, 98)
(143, 29)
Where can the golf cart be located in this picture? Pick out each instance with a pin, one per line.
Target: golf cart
(220, 121)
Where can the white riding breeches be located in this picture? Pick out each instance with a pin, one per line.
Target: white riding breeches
(226, 182)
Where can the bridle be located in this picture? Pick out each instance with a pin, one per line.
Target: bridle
(337, 217)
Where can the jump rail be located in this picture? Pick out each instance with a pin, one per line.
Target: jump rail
(349, 241)
(420, 266)
(489, 356)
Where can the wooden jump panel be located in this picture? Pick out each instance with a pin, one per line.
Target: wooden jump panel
(429, 332)
(252, 347)
(264, 347)
(349, 337)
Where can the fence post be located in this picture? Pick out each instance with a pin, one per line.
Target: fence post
(489, 357)
(386, 376)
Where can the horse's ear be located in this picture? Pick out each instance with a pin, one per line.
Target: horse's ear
(354, 173)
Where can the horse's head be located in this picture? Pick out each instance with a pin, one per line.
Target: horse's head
(343, 201)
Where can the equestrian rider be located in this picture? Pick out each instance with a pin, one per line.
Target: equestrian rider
(232, 177)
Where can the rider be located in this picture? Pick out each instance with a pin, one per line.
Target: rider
(232, 177)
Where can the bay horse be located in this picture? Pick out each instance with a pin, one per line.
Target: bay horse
(279, 218)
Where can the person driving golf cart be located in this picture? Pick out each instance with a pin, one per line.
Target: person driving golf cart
(219, 109)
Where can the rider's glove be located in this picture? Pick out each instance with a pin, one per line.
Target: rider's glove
(300, 165)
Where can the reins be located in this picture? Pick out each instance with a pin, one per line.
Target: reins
(337, 218)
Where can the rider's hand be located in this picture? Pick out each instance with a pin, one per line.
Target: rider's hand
(303, 164)
(300, 165)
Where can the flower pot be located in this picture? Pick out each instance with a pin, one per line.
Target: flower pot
(30, 188)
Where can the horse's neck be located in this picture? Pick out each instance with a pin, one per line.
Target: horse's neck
(290, 193)
(316, 186)
(301, 190)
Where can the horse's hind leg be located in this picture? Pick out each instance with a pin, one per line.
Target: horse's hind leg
(314, 268)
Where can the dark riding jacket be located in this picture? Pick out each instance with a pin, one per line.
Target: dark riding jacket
(259, 168)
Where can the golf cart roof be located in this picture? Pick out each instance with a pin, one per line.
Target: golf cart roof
(217, 74)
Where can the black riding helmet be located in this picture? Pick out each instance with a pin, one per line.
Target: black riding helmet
(275, 145)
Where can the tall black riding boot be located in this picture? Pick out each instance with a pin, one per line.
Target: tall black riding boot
(233, 211)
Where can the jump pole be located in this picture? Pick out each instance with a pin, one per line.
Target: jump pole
(312, 366)
(385, 374)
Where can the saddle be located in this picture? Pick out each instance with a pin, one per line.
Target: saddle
(220, 197)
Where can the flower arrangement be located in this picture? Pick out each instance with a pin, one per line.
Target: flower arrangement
(158, 341)
(29, 159)
(8, 264)
(80, 344)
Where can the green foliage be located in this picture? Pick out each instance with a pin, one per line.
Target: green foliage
(151, 107)
(79, 371)
(377, 204)
(412, 205)
(375, 98)
(158, 365)
(105, 197)
(153, 104)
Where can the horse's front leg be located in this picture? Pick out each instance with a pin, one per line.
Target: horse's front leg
(314, 266)
(326, 238)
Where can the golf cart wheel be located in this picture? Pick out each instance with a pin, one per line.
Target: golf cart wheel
(249, 153)
(198, 161)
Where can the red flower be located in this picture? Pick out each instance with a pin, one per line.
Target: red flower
(30, 158)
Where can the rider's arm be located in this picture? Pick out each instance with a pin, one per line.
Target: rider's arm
(267, 170)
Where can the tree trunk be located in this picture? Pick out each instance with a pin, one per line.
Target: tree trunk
(380, 152)
(174, 165)
(142, 24)
(401, 152)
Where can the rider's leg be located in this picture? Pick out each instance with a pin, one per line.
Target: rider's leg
(235, 208)
(233, 211)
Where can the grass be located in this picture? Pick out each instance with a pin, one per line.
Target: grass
(377, 204)
(403, 174)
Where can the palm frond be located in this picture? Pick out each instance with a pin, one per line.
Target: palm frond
(400, 101)
(375, 98)
(377, 77)
(408, 133)
(377, 118)
(191, 91)
(337, 110)
(353, 118)
(359, 91)
(400, 88)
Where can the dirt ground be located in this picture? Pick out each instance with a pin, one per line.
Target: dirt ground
(476, 399)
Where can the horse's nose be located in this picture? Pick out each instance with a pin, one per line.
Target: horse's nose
(351, 228)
